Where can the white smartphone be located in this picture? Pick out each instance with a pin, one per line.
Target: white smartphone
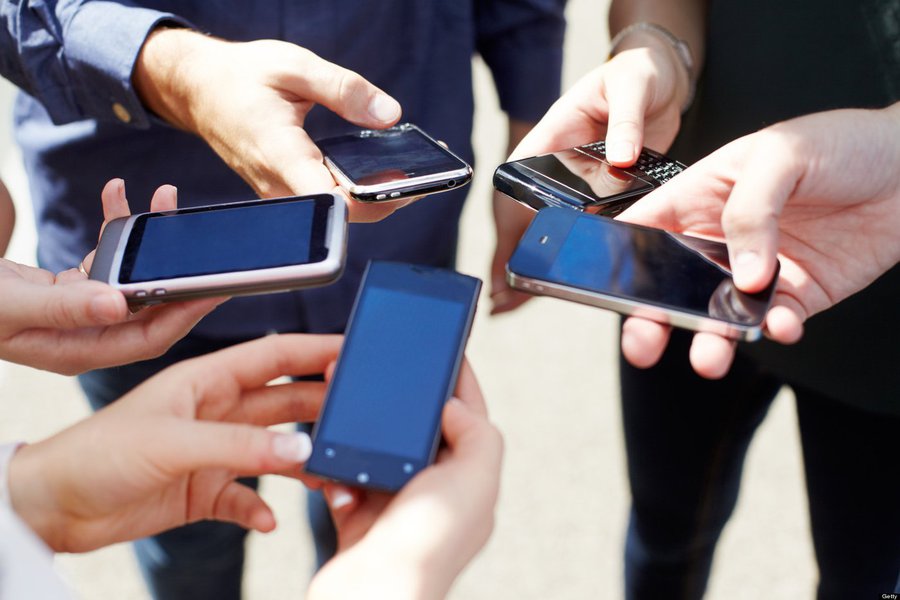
(666, 277)
(381, 165)
(240, 248)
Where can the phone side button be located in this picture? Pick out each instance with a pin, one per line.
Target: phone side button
(140, 294)
(395, 194)
(159, 292)
(380, 196)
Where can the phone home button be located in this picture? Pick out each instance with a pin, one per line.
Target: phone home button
(363, 477)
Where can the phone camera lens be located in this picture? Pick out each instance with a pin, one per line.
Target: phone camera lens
(451, 183)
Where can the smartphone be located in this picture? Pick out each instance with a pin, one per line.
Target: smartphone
(232, 249)
(378, 165)
(381, 420)
(667, 277)
(582, 178)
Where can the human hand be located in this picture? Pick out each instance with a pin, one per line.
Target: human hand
(414, 544)
(68, 324)
(633, 100)
(249, 102)
(821, 192)
(168, 452)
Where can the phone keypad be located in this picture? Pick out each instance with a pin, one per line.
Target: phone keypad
(656, 167)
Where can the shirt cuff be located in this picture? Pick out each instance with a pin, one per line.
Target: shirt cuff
(103, 41)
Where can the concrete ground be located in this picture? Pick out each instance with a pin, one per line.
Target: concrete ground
(549, 374)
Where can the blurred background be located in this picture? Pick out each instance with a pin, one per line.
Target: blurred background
(549, 374)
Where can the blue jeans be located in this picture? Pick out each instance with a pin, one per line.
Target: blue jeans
(686, 439)
(205, 559)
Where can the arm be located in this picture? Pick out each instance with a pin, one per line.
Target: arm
(821, 192)
(212, 413)
(7, 219)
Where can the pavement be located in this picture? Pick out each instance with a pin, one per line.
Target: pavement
(549, 373)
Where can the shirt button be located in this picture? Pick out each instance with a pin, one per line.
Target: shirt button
(121, 112)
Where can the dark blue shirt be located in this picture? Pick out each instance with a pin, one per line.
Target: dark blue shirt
(74, 59)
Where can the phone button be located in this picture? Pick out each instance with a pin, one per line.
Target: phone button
(380, 196)
(395, 194)
(140, 294)
(363, 477)
(408, 468)
(159, 292)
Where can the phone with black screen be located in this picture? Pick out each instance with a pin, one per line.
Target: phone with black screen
(581, 178)
(381, 420)
(240, 248)
(667, 277)
(380, 165)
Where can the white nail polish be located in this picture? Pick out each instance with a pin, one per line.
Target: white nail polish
(340, 498)
(295, 447)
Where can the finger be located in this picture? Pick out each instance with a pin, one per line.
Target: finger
(784, 321)
(750, 217)
(63, 306)
(256, 363)
(628, 99)
(643, 342)
(164, 198)
(244, 449)
(711, 355)
(472, 438)
(115, 204)
(468, 391)
(70, 276)
(341, 501)
(506, 300)
(242, 505)
(153, 331)
(299, 401)
(343, 91)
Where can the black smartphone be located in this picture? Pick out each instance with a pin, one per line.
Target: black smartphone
(231, 249)
(378, 165)
(666, 277)
(582, 178)
(380, 423)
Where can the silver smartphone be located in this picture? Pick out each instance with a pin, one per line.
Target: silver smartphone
(381, 165)
(670, 278)
(234, 249)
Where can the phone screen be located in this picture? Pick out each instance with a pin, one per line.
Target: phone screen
(238, 237)
(397, 368)
(396, 154)
(637, 264)
(585, 175)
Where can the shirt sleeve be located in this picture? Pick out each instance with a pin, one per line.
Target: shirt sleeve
(522, 43)
(76, 56)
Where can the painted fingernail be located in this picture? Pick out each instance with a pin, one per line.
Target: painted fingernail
(294, 447)
(340, 498)
(620, 152)
(384, 108)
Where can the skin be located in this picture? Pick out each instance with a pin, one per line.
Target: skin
(7, 218)
(249, 100)
(68, 324)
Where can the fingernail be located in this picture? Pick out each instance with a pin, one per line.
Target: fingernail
(384, 108)
(293, 447)
(746, 263)
(340, 498)
(620, 152)
(105, 309)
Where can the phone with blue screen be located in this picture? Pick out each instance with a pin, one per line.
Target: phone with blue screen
(239, 248)
(381, 420)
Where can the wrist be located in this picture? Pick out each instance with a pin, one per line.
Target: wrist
(162, 74)
(678, 52)
(30, 497)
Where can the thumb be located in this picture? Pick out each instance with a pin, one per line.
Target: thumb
(65, 306)
(343, 91)
(628, 102)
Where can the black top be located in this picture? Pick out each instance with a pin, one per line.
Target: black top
(771, 60)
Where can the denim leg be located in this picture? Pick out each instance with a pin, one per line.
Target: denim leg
(853, 479)
(199, 561)
(686, 438)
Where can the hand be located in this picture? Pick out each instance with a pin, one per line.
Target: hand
(68, 324)
(414, 544)
(168, 452)
(821, 192)
(632, 100)
(249, 101)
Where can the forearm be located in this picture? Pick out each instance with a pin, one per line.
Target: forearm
(7, 219)
(686, 19)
